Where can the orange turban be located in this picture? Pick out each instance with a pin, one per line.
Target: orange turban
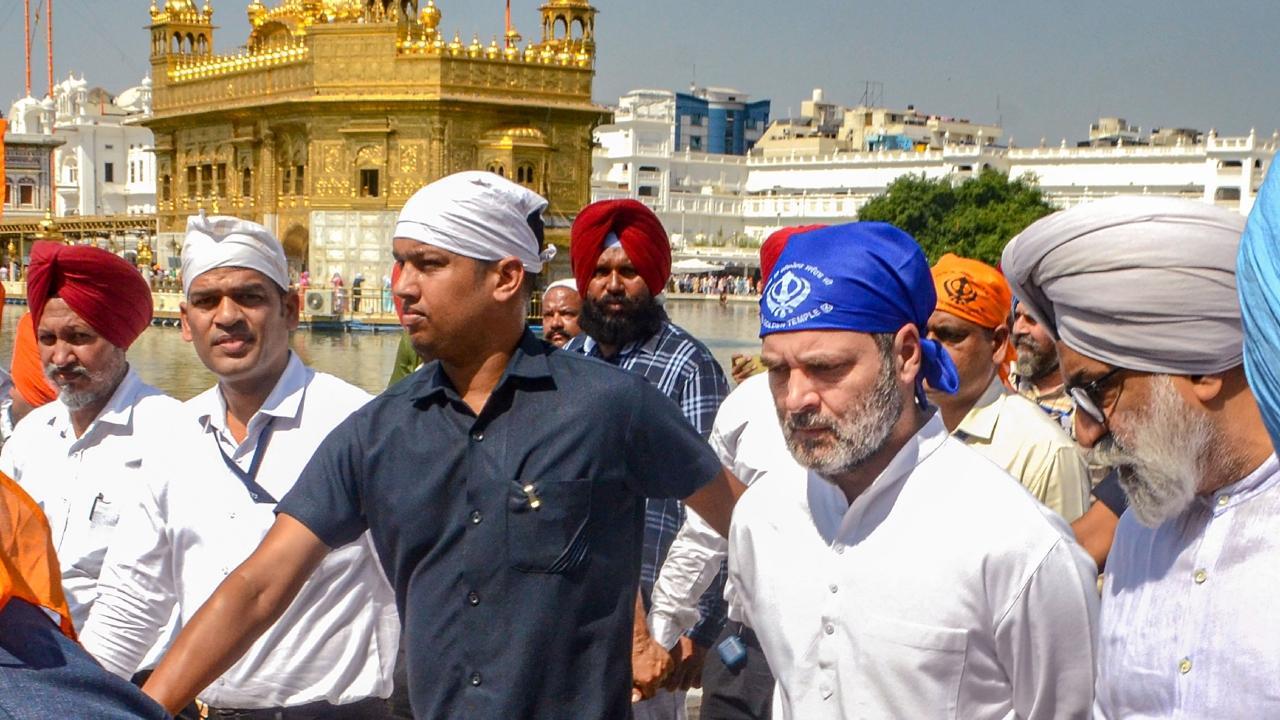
(638, 230)
(28, 563)
(26, 368)
(101, 287)
(975, 291)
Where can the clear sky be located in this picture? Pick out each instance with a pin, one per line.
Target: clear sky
(1044, 68)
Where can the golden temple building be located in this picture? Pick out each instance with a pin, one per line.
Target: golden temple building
(337, 111)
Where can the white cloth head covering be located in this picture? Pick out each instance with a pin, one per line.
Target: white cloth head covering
(216, 241)
(478, 215)
(569, 283)
(1140, 282)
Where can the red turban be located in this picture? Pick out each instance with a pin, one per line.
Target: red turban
(26, 368)
(102, 288)
(772, 247)
(638, 229)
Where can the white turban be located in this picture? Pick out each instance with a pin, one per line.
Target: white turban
(569, 283)
(477, 215)
(217, 241)
(1145, 283)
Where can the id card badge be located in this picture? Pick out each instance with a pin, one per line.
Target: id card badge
(732, 652)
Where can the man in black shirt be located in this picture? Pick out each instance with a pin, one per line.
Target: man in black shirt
(503, 484)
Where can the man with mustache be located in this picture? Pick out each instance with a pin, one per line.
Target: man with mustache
(899, 573)
(503, 486)
(1140, 294)
(219, 469)
(561, 308)
(971, 323)
(622, 260)
(1037, 378)
(81, 457)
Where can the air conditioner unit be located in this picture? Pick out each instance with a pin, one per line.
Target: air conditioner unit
(319, 302)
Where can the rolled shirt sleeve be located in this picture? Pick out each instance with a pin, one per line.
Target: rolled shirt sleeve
(137, 590)
(693, 564)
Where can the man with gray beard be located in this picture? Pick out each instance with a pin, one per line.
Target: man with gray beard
(1140, 295)
(899, 573)
(80, 457)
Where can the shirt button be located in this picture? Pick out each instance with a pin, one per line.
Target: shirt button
(475, 679)
(1200, 576)
(830, 629)
(477, 436)
(1223, 500)
(475, 517)
(833, 588)
(839, 549)
(473, 597)
(1184, 666)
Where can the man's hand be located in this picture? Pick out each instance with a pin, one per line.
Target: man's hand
(650, 665)
(688, 657)
(744, 366)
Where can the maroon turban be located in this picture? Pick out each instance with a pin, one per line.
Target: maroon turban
(772, 247)
(102, 288)
(638, 229)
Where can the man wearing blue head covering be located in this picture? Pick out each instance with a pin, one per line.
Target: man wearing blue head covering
(898, 573)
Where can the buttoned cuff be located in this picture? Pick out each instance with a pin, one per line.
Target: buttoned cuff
(665, 630)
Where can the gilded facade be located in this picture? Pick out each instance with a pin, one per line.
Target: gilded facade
(338, 110)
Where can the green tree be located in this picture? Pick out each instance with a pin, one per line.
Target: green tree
(973, 219)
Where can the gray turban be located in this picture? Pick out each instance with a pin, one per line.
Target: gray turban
(1144, 283)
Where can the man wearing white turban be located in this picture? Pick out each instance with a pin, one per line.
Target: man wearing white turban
(1140, 294)
(229, 455)
(503, 484)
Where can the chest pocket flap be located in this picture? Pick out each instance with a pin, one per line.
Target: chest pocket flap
(547, 524)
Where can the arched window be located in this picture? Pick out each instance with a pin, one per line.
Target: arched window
(497, 168)
(561, 29)
(524, 174)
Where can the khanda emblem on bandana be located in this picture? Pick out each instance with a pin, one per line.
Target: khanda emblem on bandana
(960, 290)
(786, 294)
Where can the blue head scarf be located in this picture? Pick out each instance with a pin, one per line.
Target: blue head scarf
(866, 277)
(1258, 282)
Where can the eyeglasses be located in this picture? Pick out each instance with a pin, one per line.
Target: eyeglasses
(1085, 397)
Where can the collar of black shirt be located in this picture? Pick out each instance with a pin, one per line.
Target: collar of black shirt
(528, 362)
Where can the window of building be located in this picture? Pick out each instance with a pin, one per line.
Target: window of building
(26, 195)
(8, 195)
(73, 174)
(206, 180)
(133, 177)
(221, 175)
(524, 174)
(298, 175)
(368, 183)
(648, 191)
(166, 188)
(497, 168)
(246, 182)
(286, 181)
(193, 182)
(108, 172)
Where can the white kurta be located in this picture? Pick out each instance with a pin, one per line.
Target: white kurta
(944, 591)
(83, 483)
(1189, 626)
(196, 523)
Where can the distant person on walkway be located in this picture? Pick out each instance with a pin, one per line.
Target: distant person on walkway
(503, 485)
(971, 322)
(210, 495)
(1140, 293)
(44, 673)
(902, 575)
(561, 308)
(357, 290)
(82, 457)
(621, 260)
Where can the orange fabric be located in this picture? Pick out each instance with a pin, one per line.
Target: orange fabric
(26, 369)
(973, 290)
(28, 564)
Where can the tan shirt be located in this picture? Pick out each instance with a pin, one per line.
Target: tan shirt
(1056, 403)
(1017, 435)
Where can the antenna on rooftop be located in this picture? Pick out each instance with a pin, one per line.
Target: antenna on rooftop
(872, 93)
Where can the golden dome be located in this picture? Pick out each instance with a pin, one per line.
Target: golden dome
(519, 136)
(430, 15)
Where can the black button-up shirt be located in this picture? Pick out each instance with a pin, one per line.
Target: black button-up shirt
(512, 538)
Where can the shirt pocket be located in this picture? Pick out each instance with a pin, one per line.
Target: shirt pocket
(911, 670)
(547, 524)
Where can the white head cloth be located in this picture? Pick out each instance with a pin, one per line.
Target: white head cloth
(1145, 283)
(216, 241)
(569, 283)
(477, 215)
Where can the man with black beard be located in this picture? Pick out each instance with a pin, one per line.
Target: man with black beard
(622, 260)
(1140, 294)
(873, 590)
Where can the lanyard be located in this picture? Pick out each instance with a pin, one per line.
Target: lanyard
(250, 478)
